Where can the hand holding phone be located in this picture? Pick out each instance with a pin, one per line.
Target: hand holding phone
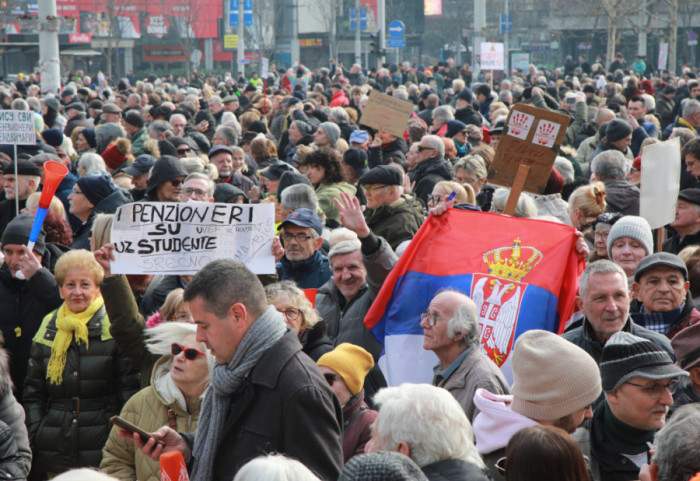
(125, 425)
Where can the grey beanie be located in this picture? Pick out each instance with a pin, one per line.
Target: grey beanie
(635, 227)
(331, 130)
(381, 466)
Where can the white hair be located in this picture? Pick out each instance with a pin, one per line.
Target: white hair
(84, 474)
(438, 427)
(341, 234)
(344, 247)
(525, 208)
(274, 467)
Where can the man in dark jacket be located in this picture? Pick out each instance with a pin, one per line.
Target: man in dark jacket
(24, 302)
(303, 261)
(687, 222)
(76, 118)
(465, 110)
(662, 300)
(265, 394)
(20, 187)
(431, 167)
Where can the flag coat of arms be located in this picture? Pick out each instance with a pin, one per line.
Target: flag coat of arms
(521, 273)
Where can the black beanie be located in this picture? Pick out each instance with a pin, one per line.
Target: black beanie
(134, 118)
(291, 178)
(166, 168)
(617, 129)
(96, 187)
(18, 230)
(166, 148)
(89, 134)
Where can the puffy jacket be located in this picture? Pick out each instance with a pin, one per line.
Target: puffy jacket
(308, 274)
(327, 192)
(15, 455)
(23, 305)
(149, 409)
(396, 222)
(339, 99)
(68, 423)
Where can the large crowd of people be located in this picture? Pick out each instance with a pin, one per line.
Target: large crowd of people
(276, 376)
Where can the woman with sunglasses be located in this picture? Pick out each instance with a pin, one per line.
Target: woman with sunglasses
(301, 316)
(165, 180)
(77, 376)
(178, 382)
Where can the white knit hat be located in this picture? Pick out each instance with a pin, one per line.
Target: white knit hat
(635, 227)
(552, 377)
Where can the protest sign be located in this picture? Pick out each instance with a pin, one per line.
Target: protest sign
(531, 137)
(171, 238)
(384, 112)
(660, 182)
(492, 56)
(17, 127)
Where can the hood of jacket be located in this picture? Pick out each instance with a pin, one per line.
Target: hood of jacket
(165, 387)
(496, 423)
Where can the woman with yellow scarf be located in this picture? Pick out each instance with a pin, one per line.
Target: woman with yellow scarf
(77, 376)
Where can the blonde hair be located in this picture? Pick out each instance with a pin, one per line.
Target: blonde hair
(101, 231)
(297, 297)
(56, 206)
(78, 259)
(173, 301)
(449, 186)
(589, 199)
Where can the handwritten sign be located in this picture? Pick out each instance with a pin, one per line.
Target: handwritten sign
(384, 112)
(17, 127)
(492, 57)
(531, 137)
(171, 238)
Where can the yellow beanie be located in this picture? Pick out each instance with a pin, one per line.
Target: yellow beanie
(350, 362)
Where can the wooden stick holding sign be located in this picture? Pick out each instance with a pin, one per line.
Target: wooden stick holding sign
(526, 151)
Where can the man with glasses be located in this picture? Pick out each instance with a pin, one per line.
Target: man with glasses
(198, 187)
(431, 167)
(303, 261)
(639, 379)
(390, 214)
(451, 331)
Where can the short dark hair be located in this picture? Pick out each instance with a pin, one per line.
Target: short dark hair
(331, 162)
(691, 147)
(545, 453)
(225, 282)
(483, 89)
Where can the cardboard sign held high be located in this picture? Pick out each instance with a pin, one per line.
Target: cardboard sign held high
(531, 138)
(384, 112)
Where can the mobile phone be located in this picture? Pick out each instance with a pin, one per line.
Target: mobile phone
(125, 425)
(570, 100)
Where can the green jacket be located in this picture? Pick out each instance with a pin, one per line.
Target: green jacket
(137, 141)
(327, 192)
(396, 222)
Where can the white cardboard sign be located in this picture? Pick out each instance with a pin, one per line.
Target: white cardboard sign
(181, 238)
(17, 127)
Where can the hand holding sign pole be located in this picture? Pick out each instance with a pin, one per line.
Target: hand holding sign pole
(54, 172)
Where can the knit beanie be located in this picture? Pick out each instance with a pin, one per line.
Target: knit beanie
(331, 130)
(96, 187)
(381, 466)
(257, 126)
(115, 153)
(291, 178)
(617, 129)
(18, 230)
(552, 377)
(350, 362)
(89, 134)
(53, 137)
(626, 356)
(634, 227)
(454, 127)
(166, 148)
(165, 168)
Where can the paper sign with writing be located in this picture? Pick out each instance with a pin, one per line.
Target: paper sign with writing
(17, 127)
(172, 238)
(384, 112)
(531, 137)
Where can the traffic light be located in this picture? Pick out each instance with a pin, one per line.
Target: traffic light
(374, 44)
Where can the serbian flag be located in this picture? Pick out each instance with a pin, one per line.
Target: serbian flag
(521, 273)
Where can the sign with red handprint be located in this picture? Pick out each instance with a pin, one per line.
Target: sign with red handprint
(519, 124)
(546, 133)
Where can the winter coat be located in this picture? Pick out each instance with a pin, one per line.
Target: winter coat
(310, 273)
(453, 470)
(23, 305)
(674, 244)
(284, 406)
(108, 205)
(315, 342)
(427, 174)
(68, 423)
(9, 212)
(385, 154)
(15, 454)
(476, 371)
(79, 120)
(149, 409)
(688, 316)
(357, 426)
(339, 99)
(621, 196)
(327, 192)
(469, 116)
(396, 222)
(137, 142)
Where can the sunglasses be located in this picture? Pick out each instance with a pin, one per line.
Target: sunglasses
(176, 182)
(190, 353)
(330, 378)
(182, 151)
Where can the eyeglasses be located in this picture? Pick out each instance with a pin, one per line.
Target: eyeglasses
(183, 151)
(601, 235)
(366, 189)
(430, 319)
(292, 314)
(421, 148)
(434, 199)
(656, 390)
(501, 466)
(190, 353)
(300, 237)
(196, 192)
(330, 378)
(467, 180)
(176, 182)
